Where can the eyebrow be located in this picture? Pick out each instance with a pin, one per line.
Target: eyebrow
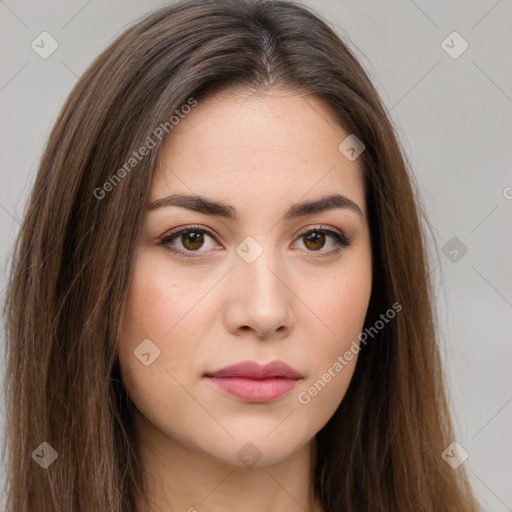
(207, 206)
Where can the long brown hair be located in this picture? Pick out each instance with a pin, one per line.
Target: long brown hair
(381, 450)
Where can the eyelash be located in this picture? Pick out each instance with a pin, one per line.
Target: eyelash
(341, 240)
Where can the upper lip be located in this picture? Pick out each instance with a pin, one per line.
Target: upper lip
(253, 370)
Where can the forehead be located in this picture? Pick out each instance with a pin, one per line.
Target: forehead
(272, 145)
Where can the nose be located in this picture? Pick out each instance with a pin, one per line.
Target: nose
(259, 299)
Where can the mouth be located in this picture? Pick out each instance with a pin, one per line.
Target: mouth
(255, 383)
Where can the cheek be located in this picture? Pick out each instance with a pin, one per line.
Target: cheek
(161, 304)
(162, 314)
(341, 302)
(151, 306)
(341, 305)
(161, 307)
(347, 305)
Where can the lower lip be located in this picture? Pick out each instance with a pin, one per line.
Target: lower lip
(251, 390)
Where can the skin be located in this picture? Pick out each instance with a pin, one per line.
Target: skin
(260, 153)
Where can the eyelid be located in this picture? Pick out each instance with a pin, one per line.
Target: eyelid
(323, 228)
(189, 227)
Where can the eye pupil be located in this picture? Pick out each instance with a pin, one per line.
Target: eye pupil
(194, 238)
(315, 238)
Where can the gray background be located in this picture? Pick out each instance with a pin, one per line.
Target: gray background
(453, 117)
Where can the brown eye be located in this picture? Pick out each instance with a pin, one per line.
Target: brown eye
(314, 241)
(325, 242)
(188, 241)
(192, 240)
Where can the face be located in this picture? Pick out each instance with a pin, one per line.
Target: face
(246, 275)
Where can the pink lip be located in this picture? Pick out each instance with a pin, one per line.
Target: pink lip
(255, 383)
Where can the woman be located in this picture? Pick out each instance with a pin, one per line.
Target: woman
(220, 295)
